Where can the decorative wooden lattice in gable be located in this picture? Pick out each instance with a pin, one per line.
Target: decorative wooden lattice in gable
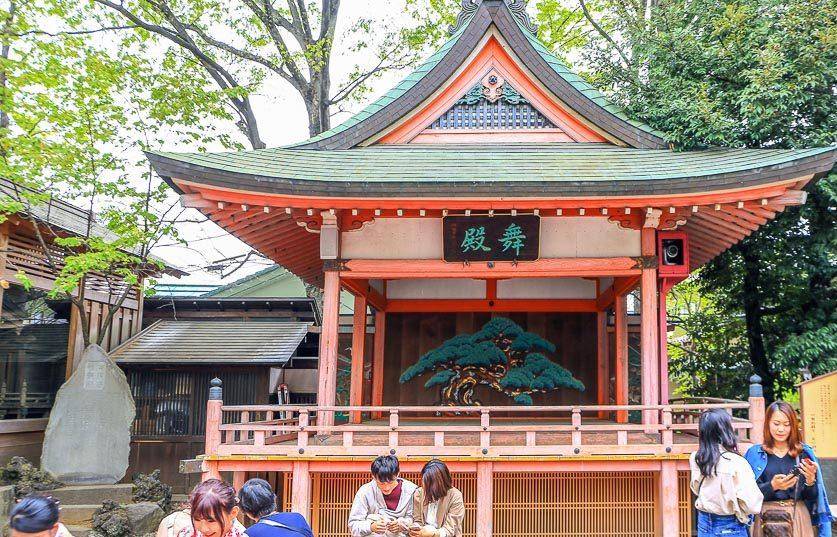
(492, 104)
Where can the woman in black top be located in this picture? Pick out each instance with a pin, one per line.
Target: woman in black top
(783, 467)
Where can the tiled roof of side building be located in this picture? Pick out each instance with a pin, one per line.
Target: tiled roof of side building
(522, 170)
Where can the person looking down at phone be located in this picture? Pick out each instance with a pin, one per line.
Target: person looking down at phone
(438, 508)
(788, 475)
(383, 506)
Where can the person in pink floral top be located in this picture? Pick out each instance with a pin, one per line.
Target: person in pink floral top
(214, 509)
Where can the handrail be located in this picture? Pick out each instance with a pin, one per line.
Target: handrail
(479, 409)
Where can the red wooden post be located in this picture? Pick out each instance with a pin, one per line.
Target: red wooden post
(358, 347)
(327, 381)
(620, 309)
(393, 428)
(576, 423)
(485, 498)
(756, 412)
(239, 477)
(213, 428)
(602, 359)
(663, 324)
(378, 362)
(669, 500)
(301, 490)
(302, 435)
(649, 340)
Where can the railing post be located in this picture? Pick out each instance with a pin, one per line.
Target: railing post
(756, 413)
(485, 435)
(667, 434)
(576, 434)
(393, 429)
(302, 435)
(213, 429)
(213, 418)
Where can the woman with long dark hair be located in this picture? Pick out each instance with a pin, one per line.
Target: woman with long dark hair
(213, 507)
(789, 477)
(727, 494)
(438, 508)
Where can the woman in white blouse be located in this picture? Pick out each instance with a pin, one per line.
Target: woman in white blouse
(438, 508)
(726, 490)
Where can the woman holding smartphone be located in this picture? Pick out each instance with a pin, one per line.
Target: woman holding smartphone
(789, 477)
(438, 508)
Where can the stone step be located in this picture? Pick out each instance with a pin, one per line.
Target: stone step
(90, 494)
(78, 515)
(79, 531)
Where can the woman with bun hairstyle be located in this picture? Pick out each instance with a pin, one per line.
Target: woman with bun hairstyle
(789, 476)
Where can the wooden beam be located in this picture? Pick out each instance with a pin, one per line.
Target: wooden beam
(485, 499)
(619, 287)
(483, 305)
(621, 339)
(301, 489)
(378, 355)
(372, 295)
(668, 494)
(649, 339)
(723, 216)
(327, 375)
(602, 359)
(542, 268)
(491, 289)
(358, 348)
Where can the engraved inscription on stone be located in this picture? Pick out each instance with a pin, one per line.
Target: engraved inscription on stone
(94, 376)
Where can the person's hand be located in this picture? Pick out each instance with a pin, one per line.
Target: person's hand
(783, 482)
(809, 471)
(415, 530)
(428, 531)
(394, 526)
(379, 526)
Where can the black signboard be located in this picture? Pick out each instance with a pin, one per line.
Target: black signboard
(492, 238)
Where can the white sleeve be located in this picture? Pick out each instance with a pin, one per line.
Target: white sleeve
(747, 490)
(358, 524)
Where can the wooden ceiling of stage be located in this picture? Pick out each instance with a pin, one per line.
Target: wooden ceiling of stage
(285, 229)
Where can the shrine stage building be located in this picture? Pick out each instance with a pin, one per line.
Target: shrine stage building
(491, 182)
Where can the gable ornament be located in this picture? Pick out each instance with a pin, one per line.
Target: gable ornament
(516, 7)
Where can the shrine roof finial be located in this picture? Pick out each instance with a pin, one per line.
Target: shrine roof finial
(516, 7)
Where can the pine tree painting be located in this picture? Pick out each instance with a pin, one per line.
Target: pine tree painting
(501, 355)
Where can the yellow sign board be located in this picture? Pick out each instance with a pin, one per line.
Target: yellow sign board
(818, 398)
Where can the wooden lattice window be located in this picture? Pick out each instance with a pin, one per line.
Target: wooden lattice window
(475, 111)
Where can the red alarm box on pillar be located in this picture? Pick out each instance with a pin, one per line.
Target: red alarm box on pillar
(672, 254)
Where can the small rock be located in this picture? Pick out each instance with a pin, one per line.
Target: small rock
(144, 517)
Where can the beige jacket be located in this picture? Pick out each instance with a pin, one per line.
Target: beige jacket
(450, 512)
(731, 491)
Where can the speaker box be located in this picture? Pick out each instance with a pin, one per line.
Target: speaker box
(673, 254)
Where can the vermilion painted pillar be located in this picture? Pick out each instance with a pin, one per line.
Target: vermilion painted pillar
(327, 381)
(620, 310)
(358, 348)
(649, 338)
(301, 490)
(485, 498)
(602, 358)
(663, 325)
(669, 500)
(378, 362)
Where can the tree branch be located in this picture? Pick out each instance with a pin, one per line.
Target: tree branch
(603, 33)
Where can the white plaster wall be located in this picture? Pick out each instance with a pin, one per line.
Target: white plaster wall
(546, 288)
(421, 238)
(436, 288)
(395, 238)
(579, 236)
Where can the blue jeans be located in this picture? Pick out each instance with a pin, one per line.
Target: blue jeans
(720, 526)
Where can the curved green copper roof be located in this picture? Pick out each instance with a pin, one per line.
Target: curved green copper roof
(407, 95)
(556, 170)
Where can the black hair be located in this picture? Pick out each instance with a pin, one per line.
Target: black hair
(257, 498)
(34, 513)
(435, 480)
(715, 431)
(385, 468)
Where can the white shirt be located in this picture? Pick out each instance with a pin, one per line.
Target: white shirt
(432, 509)
(732, 490)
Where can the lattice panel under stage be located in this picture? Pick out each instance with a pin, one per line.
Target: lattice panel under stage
(572, 503)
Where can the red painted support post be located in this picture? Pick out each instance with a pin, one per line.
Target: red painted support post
(669, 499)
(327, 381)
(756, 412)
(378, 362)
(663, 324)
(213, 428)
(620, 309)
(602, 359)
(358, 348)
(485, 498)
(649, 339)
(301, 490)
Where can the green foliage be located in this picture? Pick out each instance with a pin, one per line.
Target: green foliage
(149, 488)
(744, 73)
(501, 355)
(111, 520)
(26, 478)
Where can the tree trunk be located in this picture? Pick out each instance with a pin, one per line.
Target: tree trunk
(753, 318)
(317, 102)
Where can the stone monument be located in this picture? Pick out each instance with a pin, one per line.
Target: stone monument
(88, 437)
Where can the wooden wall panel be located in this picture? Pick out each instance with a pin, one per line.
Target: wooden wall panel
(409, 335)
